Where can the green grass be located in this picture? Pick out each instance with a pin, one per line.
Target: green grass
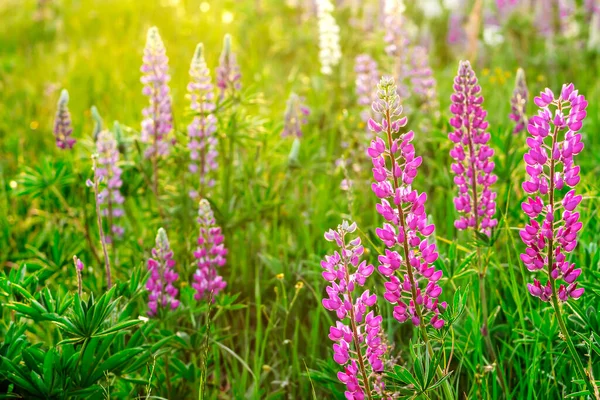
(268, 335)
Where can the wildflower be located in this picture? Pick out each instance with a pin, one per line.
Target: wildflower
(329, 37)
(62, 123)
(422, 80)
(412, 286)
(357, 334)
(162, 276)
(228, 71)
(473, 164)
(109, 171)
(158, 119)
(397, 44)
(295, 116)
(518, 103)
(201, 132)
(367, 77)
(554, 222)
(210, 254)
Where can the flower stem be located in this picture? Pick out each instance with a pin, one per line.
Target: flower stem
(99, 219)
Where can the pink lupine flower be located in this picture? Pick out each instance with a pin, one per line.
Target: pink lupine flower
(296, 113)
(397, 45)
(367, 78)
(408, 260)
(210, 254)
(473, 166)
(518, 103)
(201, 132)
(422, 80)
(554, 223)
(357, 335)
(228, 71)
(162, 293)
(108, 169)
(158, 118)
(62, 123)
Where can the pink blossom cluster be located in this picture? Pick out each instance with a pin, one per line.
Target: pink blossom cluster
(473, 166)
(407, 262)
(228, 71)
(357, 334)
(162, 276)
(554, 222)
(210, 254)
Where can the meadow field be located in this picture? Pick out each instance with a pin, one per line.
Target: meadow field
(180, 221)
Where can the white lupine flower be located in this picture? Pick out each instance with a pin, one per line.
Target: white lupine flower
(492, 36)
(329, 37)
(431, 8)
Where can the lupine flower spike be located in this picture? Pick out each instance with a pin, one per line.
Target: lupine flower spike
(295, 116)
(554, 221)
(473, 164)
(78, 268)
(367, 78)
(397, 44)
(518, 103)
(202, 141)
(108, 169)
(162, 293)
(412, 286)
(158, 119)
(228, 71)
(210, 255)
(62, 123)
(423, 82)
(357, 334)
(330, 52)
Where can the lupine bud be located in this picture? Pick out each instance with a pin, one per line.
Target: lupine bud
(158, 118)
(367, 78)
(78, 268)
(201, 132)
(210, 254)
(330, 52)
(551, 233)
(62, 123)
(473, 165)
(162, 293)
(228, 71)
(110, 173)
(295, 116)
(518, 103)
(408, 260)
(357, 334)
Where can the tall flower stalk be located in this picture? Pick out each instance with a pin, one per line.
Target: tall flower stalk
(408, 259)
(554, 222)
(296, 113)
(423, 82)
(62, 123)
(210, 255)
(397, 44)
(357, 333)
(473, 169)
(330, 52)
(158, 117)
(95, 185)
(518, 103)
(108, 169)
(228, 71)
(201, 131)
(367, 78)
(162, 293)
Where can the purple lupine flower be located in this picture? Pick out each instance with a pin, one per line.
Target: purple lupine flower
(62, 123)
(228, 71)
(202, 141)
(473, 164)
(422, 80)
(548, 25)
(367, 77)
(457, 35)
(357, 334)
(397, 45)
(518, 103)
(162, 276)
(296, 113)
(408, 259)
(552, 233)
(158, 118)
(108, 170)
(210, 254)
